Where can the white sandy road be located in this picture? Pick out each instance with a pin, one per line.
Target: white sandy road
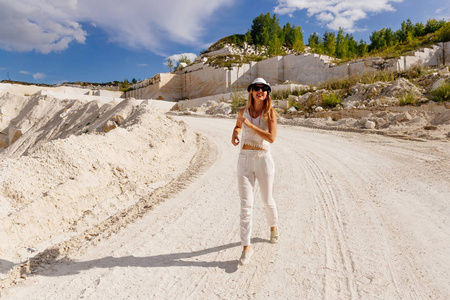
(361, 217)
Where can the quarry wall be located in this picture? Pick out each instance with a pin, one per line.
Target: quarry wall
(62, 92)
(202, 80)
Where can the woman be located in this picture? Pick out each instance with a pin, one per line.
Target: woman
(258, 123)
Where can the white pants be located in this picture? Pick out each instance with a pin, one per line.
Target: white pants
(255, 164)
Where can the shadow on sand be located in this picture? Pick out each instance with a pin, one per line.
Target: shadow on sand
(157, 261)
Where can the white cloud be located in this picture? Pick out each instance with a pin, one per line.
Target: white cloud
(51, 25)
(336, 13)
(39, 76)
(44, 26)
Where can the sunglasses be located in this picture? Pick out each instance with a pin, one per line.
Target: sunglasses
(264, 88)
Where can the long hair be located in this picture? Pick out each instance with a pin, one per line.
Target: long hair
(267, 105)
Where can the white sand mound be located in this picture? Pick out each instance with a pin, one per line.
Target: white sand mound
(64, 174)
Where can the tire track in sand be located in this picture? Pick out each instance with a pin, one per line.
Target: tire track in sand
(339, 281)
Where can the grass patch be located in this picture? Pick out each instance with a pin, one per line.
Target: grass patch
(407, 99)
(284, 94)
(293, 103)
(366, 78)
(226, 61)
(330, 100)
(442, 93)
(415, 71)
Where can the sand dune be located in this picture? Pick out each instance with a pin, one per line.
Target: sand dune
(64, 173)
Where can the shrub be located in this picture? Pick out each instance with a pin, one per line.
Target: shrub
(284, 94)
(330, 100)
(407, 99)
(366, 78)
(238, 100)
(415, 71)
(293, 103)
(442, 93)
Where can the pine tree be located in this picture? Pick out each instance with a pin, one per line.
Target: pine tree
(315, 42)
(341, 44)
(288, 35)
(352, 46)
(170, 64)
(298, 45)
(329, 43)
(362, 48)
(248, 38)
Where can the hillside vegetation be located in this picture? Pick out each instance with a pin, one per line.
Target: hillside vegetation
(271, 39)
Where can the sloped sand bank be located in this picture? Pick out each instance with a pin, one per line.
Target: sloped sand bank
(61, 173)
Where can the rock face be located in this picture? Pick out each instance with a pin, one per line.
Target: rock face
(438, 84)
(400, 87)
(441, 118)
(211, 108)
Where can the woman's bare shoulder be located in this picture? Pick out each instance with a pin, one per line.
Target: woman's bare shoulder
(272, 112)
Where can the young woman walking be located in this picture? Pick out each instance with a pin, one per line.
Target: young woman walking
(258, 124)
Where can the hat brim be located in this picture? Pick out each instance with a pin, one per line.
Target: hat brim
(251, 85)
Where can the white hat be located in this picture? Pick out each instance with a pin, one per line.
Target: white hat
(258, 80)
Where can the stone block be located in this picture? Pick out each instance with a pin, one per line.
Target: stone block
(13, 135)
(118, 118)
(110, 125)
(3, 141)
(370, 125)
(283, 104)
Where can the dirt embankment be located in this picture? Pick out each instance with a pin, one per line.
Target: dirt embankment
(66, 165)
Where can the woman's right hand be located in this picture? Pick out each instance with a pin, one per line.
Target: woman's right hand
(235, 139)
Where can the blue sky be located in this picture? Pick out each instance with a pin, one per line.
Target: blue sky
(55, 41)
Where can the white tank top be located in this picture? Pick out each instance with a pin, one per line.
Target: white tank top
(252, 139)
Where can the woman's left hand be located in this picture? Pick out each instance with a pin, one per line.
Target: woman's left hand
(245, 121)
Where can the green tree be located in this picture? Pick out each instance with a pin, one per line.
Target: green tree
(443, 33)
(184, 59)
(419, 29)
(264, 28)
(248, 38)
(170, 64)
(265, 37)
(410, 39)
(389, 38)
(275, 46)
(341, 44)
(377, 40)
(293, 37)
(352, 46)
(299, 44)
(288, 35)
(315, 42)
(362, 48)
(329, 43)
(433, 25)
(407, 27)
(124, 85)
